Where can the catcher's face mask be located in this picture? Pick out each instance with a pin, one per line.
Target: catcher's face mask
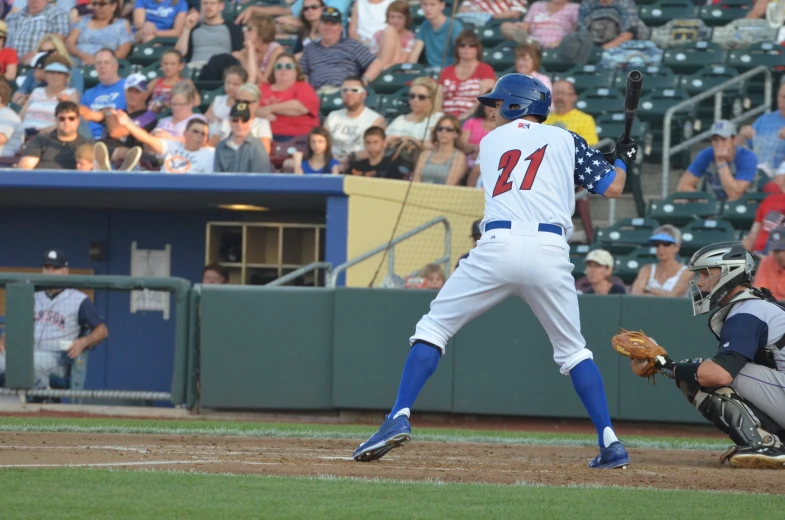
(702, 287)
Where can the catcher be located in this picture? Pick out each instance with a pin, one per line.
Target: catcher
(741, 390)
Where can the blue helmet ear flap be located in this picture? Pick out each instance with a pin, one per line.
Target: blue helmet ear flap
(521, 95)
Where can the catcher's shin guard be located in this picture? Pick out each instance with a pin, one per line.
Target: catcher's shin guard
(726, 410)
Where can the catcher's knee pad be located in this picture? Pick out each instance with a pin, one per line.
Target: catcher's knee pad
(726, 410)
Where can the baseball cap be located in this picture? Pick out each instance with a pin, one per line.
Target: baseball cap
(777, 239)
(55, 258)
(600, 256)
(39, 59)
(137, 81)
(476, 228)
(57, 67)
(331, 14)
(723, 128)
(241, 110)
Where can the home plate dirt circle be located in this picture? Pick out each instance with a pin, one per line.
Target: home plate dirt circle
(419, 460)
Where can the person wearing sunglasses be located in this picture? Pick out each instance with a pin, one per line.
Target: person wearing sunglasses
(56, 150)
(192, 155)
(348, 124)
(241, 152)
(27, 26)
(104, 29)
(462, 82)
(328, 61)
(444, 163)
(425, 102)
(260, 50)
(668, 277)
(249, 94)
(310, 18)
(288, 102)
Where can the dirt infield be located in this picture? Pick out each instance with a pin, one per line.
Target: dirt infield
(447, 462)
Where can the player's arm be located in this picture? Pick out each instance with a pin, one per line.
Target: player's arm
(88, 317)
(595, 173)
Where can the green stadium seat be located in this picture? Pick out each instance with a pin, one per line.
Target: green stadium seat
(501, 57)
(600, 101)
(578, 253)
(395, 78)
(681, 208)
(724, 12)
(700, 233)
(663, 11)
(585, 77)
(628, 266)
(91, 76)
(611, 126)
(625, 235)
(741, 212)
(202, 86)
(150, 52)
(207, 98)
(490, 35)
(709, 77)
(655, 77)
(153, 71)
(654, 105)
(689, 58)
(770, 54)
(393, 105)
(554, 63)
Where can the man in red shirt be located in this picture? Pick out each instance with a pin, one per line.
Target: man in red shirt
(771, 270)
(769, 216)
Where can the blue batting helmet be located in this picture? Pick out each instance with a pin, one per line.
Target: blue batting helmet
(522, 96)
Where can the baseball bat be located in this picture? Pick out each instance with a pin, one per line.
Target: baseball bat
(631, 98)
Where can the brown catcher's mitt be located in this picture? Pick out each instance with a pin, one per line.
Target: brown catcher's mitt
(641, 349)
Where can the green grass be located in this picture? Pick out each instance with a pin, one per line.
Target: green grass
(92, 493)
(332, 431)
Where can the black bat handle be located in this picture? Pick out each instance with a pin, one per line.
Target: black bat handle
(631, 98)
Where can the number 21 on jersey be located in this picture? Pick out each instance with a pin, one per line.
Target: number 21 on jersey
(507, 164)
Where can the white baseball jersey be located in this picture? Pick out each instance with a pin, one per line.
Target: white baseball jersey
(529, 172)
(61, 318)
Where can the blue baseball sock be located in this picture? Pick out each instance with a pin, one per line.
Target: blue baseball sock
(420, 365)
(587, 381)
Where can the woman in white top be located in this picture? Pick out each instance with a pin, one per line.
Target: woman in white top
(218, 112)
(425, 102)
(668, 277)
(368, 17)
(260, 127)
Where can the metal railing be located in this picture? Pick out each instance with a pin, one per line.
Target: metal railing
(327, 266)
(667, 150)
(332, 277)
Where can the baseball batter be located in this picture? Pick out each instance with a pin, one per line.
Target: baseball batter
(529, 172)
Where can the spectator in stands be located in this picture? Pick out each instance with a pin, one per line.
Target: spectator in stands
(107, 95)
(769, 216)
(393, 44)
(260, 49)
(475, 236)
(189, 156)
(318, 156)
(260, 127)
(28, 26)
(119, 139)
(548, 22)
(310, 18)
(435, 33)
(9, 60)
(668, 277)
(55, 150)
(85, 158)
(289, 19)
(425, 103)
(184, 99)
(38, 113)
(212, 36)
(728, 169)
(288, 101)
(215, 274)
(241, 152)
(611, 22)
(347, 125)
(599, 270)
(58, 326)
(462, 82)
(482, 12)
(759, 8)
(103, 30)
(473, 130)
(328, 61)
(376, 164)
(172, 65)
(565, 114)
(771, 270)
(159, 19)
(766, 136)
(49, 43)
(433, 277)
(218, 112)
(9, 119)
(528, 61)
(368, 18)
(444, 163)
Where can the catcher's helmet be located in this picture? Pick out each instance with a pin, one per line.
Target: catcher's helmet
(736, 266)
(522, 96)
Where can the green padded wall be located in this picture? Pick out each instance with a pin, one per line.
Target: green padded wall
(19, 335)
(266, 348)
(372, 331)
(684, 336)
(504, 361)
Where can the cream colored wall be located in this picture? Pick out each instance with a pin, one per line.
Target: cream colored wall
(374, 205)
